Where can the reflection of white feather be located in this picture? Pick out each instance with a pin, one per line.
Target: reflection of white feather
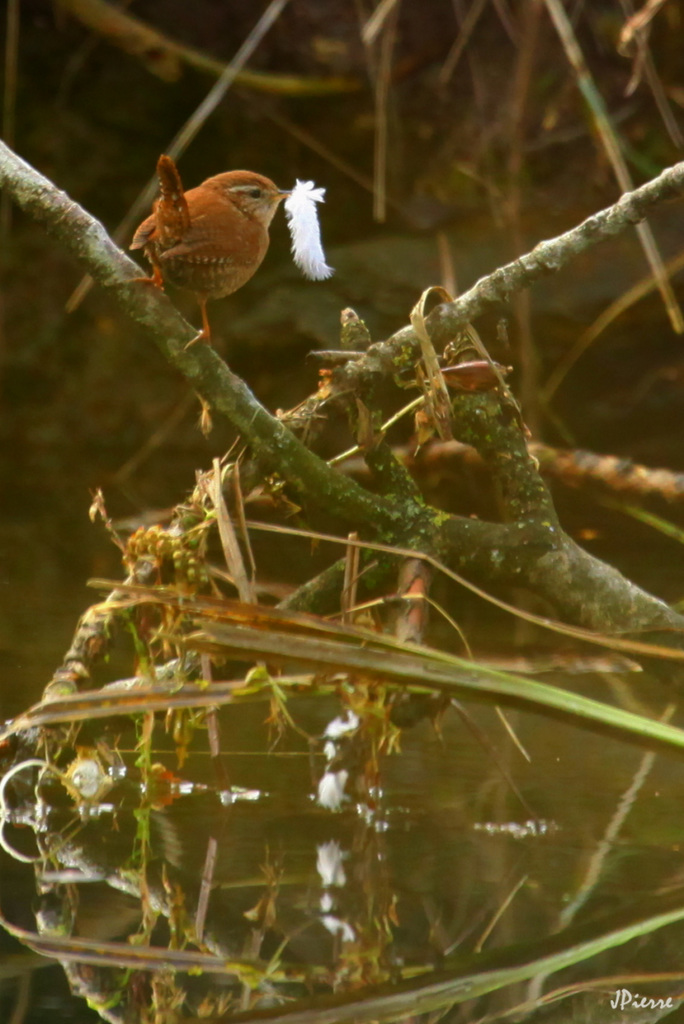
(302, 220)
(329, 857)
(331, 789)
(340, 726)
(337, 927)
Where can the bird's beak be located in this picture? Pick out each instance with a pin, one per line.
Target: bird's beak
(283, 193)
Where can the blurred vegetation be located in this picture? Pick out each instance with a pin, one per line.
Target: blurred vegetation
(481, 151)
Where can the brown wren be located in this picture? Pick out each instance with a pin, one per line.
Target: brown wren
(211, 239)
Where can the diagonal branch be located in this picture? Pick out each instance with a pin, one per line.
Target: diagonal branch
(529, 549)
(546, 258)
(273, 444)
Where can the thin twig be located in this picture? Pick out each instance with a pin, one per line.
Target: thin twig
(9, 102)
(521, 86)
(507, 20)
(447, 271)
(465, 31)
(231, 548)
(351, 576)
(644, 64)
(382, 86)
(205, 887)
(604, 847)
(155, 439)
(376, 21)
(164, 56)
(413, 585)
(9, 106)
(22, 998)
(499, 913)
(616, 308)
(316, 146)
(239, 506)
(547, 257)
(634, 647)
(188, 132)
(639, 21)
(613, 151)
(483, 739)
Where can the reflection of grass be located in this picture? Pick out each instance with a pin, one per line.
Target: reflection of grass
(368, 670)
(474, 977)
(463, 979)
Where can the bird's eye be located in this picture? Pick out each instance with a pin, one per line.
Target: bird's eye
(255, 193)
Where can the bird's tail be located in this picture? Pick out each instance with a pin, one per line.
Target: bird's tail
(172, 214)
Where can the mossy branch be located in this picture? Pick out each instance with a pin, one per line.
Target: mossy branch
(272, 443)
(549, 256)
(529, 548)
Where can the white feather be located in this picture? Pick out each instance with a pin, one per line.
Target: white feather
(302, 220)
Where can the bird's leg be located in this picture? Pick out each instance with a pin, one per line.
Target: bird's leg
(156, 278)
(205, 333)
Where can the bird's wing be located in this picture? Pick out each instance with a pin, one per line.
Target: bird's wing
(144, 233)
(218, 235)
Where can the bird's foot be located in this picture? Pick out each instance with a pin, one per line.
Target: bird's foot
(202, 335)
(155, 278)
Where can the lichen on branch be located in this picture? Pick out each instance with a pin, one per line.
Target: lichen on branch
(528, 548)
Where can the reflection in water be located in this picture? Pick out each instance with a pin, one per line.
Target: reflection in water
(338, 743)
(373, 864)
(164, 903)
